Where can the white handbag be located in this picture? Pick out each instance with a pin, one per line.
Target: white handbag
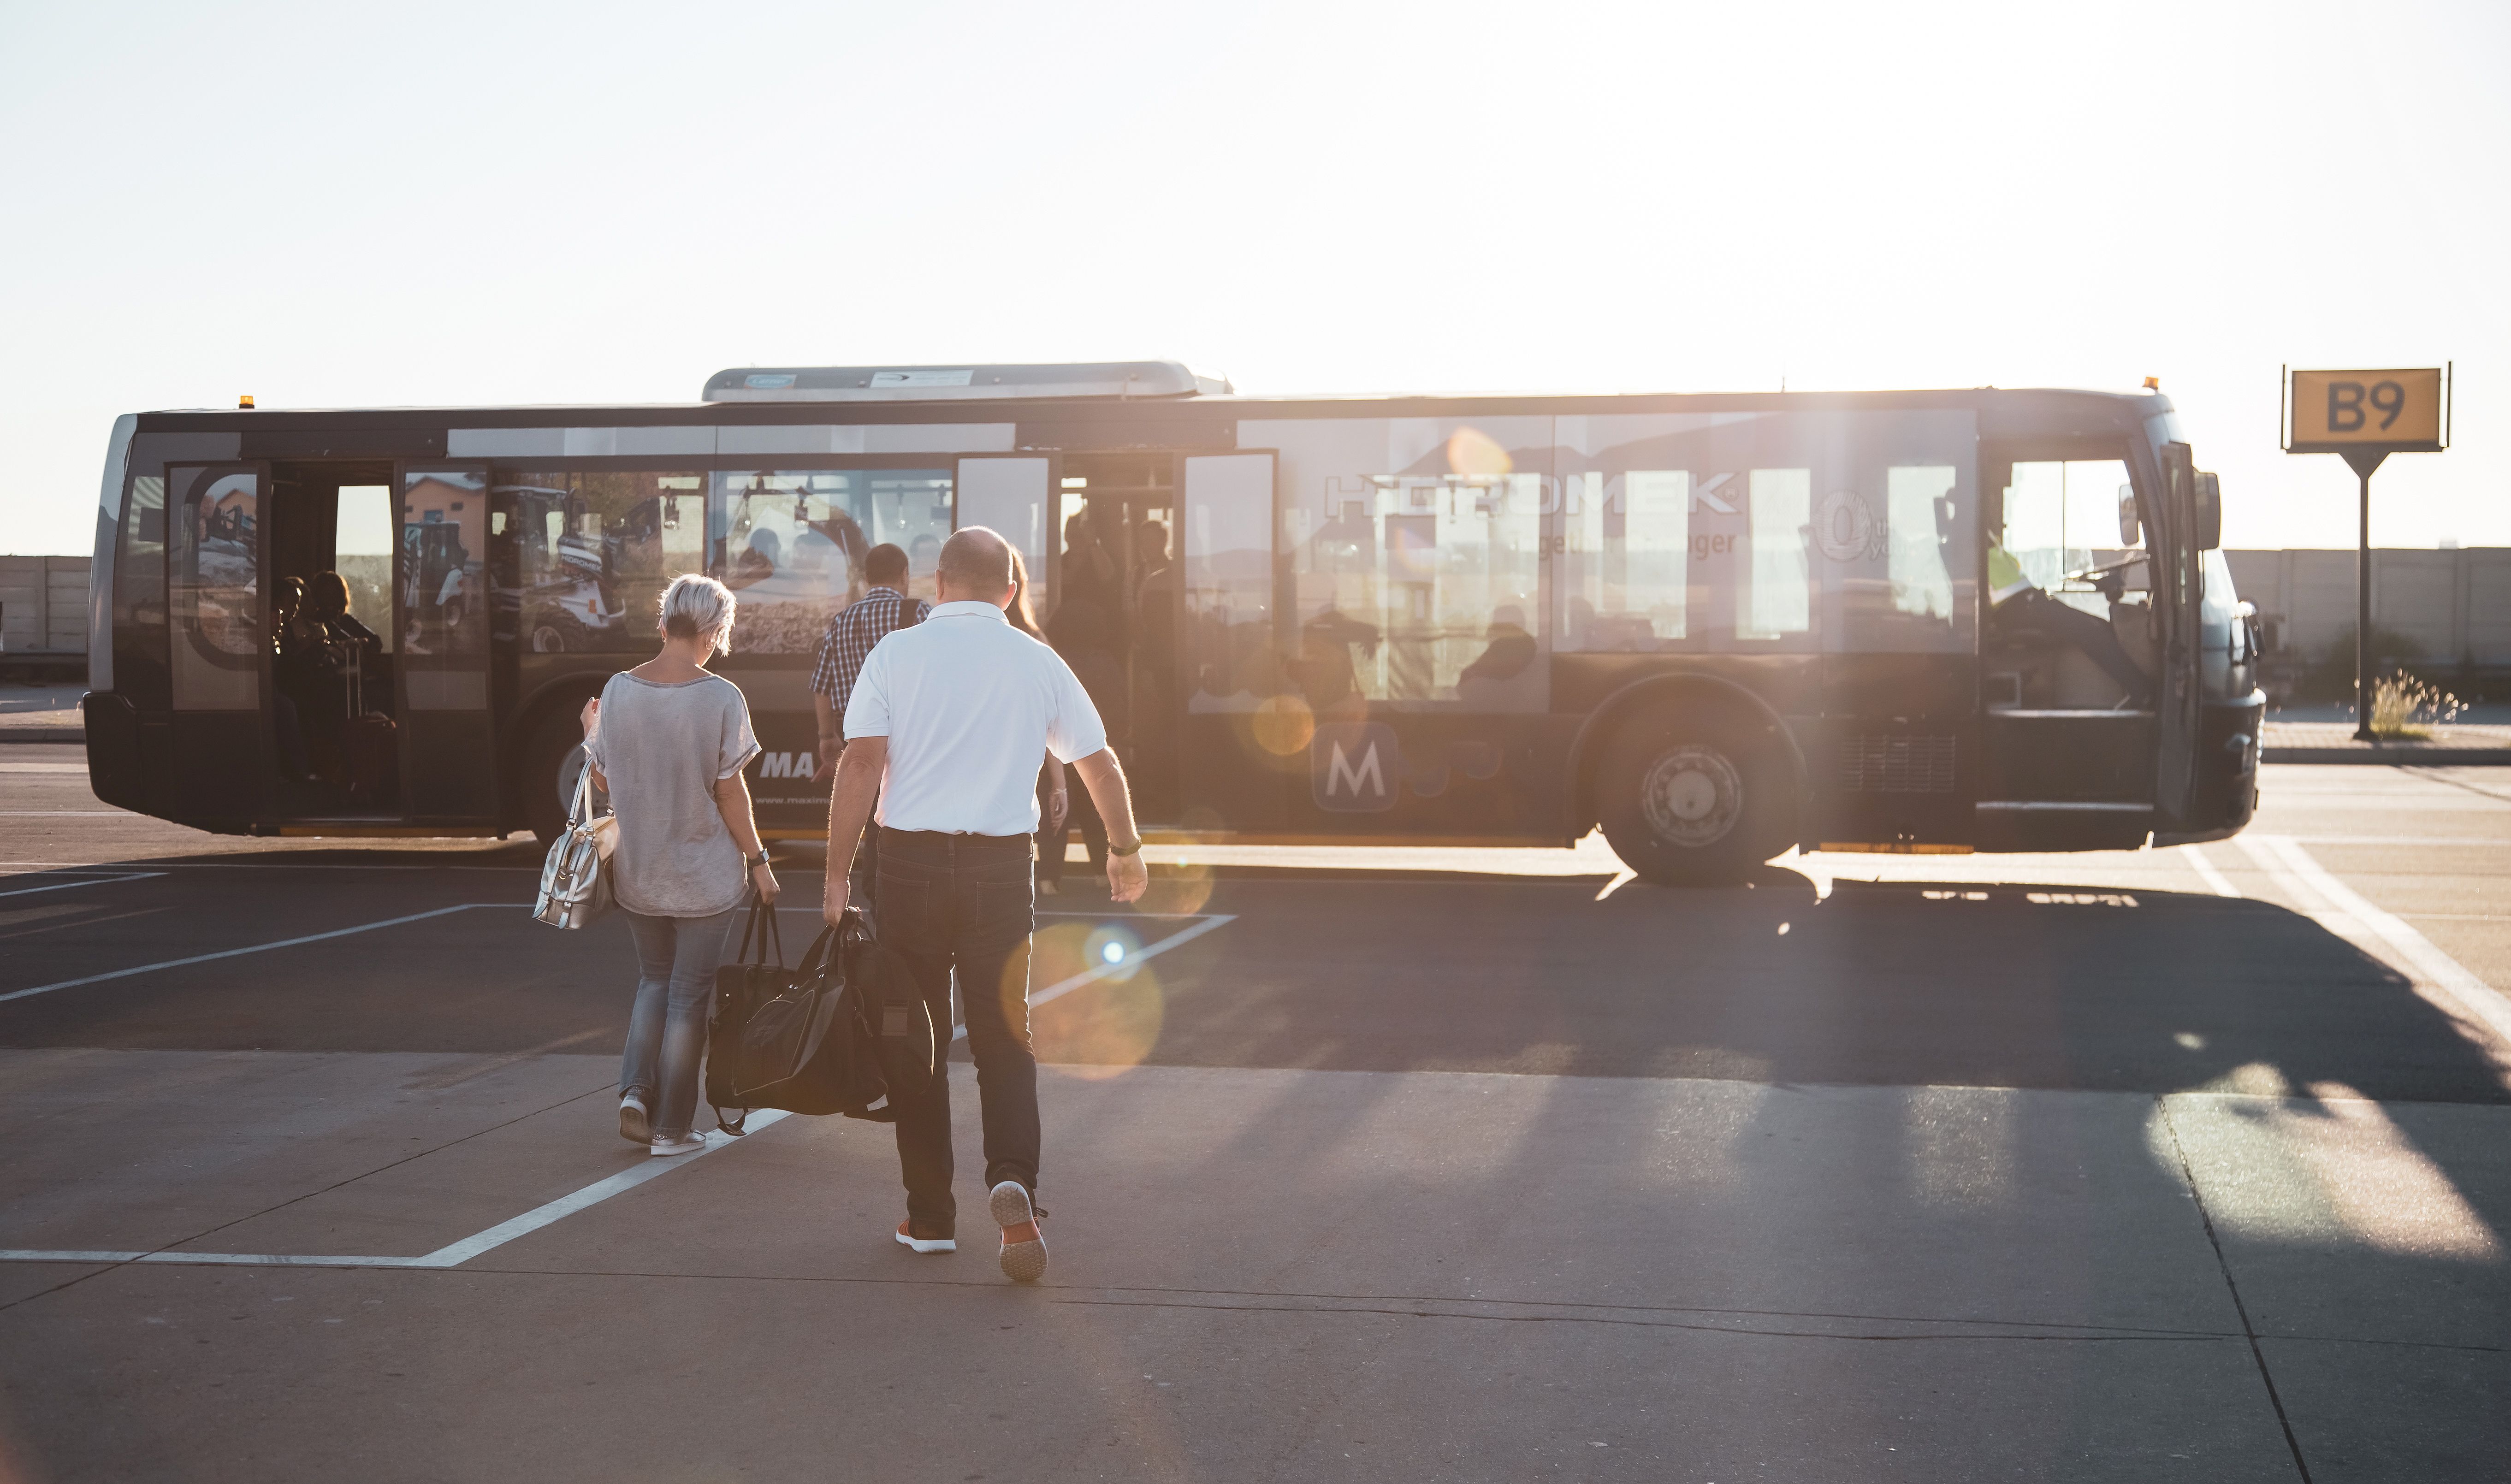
(575, 880)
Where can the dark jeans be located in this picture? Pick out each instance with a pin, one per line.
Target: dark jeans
(965, 904)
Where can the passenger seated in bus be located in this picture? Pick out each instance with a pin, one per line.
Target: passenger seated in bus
(1510, 650)
(757, 560)
(1324, 671)
(2020, 612)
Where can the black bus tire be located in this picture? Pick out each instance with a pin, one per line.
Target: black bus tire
(1694, 798)
(551, 755)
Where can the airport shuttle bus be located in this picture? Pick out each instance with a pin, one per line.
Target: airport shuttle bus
(1714, 626)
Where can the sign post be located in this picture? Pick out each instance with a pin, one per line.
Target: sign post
(2366, 416)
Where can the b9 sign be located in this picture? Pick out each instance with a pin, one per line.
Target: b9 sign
(2337, 410)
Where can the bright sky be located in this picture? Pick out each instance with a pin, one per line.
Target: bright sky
(348, 205)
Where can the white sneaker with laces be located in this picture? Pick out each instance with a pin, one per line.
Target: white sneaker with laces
(683, 1144)
(632, 1123)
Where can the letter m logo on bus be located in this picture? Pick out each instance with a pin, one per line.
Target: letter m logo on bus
(785, 765)
(1354, 766)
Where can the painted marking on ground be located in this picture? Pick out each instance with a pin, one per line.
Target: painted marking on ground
(1209, 922)
(233, 953)
(451, 1255)
(2216, 881)
(2440, 980)
(98, 880)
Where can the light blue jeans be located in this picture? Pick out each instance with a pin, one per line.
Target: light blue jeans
(675, 964)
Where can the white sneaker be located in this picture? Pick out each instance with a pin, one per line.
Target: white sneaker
(633, 1125)
(1023, 1254)
(908, 1239)
(685, 1144)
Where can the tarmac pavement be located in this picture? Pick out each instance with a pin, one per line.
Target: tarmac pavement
(1436, 1165)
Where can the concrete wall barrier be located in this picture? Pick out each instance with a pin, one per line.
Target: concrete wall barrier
(2454, 606)
(42, 605)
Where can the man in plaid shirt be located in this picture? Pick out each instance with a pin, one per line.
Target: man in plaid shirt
(861, 624)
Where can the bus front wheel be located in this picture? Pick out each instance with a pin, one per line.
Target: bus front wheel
(1690, 800)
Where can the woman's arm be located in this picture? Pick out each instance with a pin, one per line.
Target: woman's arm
(1058, 803)
(732, 801)
(593, 724)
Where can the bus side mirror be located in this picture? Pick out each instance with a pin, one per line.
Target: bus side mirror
(2130, 533)
(2209, 512)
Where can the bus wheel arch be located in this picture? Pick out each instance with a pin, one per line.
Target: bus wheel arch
(1693, 780)
(549, 729)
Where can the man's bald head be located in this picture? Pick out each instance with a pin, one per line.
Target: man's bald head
(976, 566)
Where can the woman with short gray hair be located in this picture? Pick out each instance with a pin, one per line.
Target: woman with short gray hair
(669, 741)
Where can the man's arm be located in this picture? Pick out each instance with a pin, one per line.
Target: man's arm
(850, 804)
(1126, 876)
(831, 742)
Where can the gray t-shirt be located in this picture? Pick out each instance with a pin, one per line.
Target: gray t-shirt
(664, 748)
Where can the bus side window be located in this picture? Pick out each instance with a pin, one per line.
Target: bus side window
(1775, 599)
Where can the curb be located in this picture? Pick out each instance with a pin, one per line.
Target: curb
(73, 734)
(2380, 756)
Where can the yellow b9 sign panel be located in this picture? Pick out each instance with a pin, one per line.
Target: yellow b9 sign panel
(2337, 410)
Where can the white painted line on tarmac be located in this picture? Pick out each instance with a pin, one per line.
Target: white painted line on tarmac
(504, 1232)
(2216, 881)
(451, 1255)
(233, 953)
(216, 1259)
(454, 1254)
(92, 881)
(2461, 993)
(1211, 922)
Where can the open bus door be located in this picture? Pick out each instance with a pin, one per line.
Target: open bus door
(219, 629)
(447, 736)
(2179, 588)
(1234, 754)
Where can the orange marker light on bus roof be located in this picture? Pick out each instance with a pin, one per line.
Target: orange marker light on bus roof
(2154, 383)
(243, 403)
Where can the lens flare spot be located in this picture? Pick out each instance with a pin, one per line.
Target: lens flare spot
(1179, 888)
(1474, 452)
(1106, 1006)
(1283, 725)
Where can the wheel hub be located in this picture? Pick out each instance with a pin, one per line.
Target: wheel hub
(1692, 795)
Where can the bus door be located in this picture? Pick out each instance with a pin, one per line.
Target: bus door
(1115, 613)
(1235, 751)
(214, 558)
(447, 736)
(2178, 591)
(2074, 645)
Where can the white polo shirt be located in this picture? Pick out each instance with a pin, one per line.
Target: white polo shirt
(971, 707)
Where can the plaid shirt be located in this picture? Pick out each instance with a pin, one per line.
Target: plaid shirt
(861, 624)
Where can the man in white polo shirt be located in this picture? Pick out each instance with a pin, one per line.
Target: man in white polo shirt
(946, 726)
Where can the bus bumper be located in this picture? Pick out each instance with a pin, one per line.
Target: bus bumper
(2228, 772)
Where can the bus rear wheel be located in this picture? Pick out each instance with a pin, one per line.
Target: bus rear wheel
(1692, 800)
(553, 757)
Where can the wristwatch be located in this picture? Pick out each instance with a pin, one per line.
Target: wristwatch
(760, 858)
(1134, 848)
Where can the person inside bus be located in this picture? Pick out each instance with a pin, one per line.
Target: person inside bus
(2020, 612)
(1511, 648)
(669, 739)
(291, 640)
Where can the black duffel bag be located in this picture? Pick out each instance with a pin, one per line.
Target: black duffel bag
(834, 1034)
